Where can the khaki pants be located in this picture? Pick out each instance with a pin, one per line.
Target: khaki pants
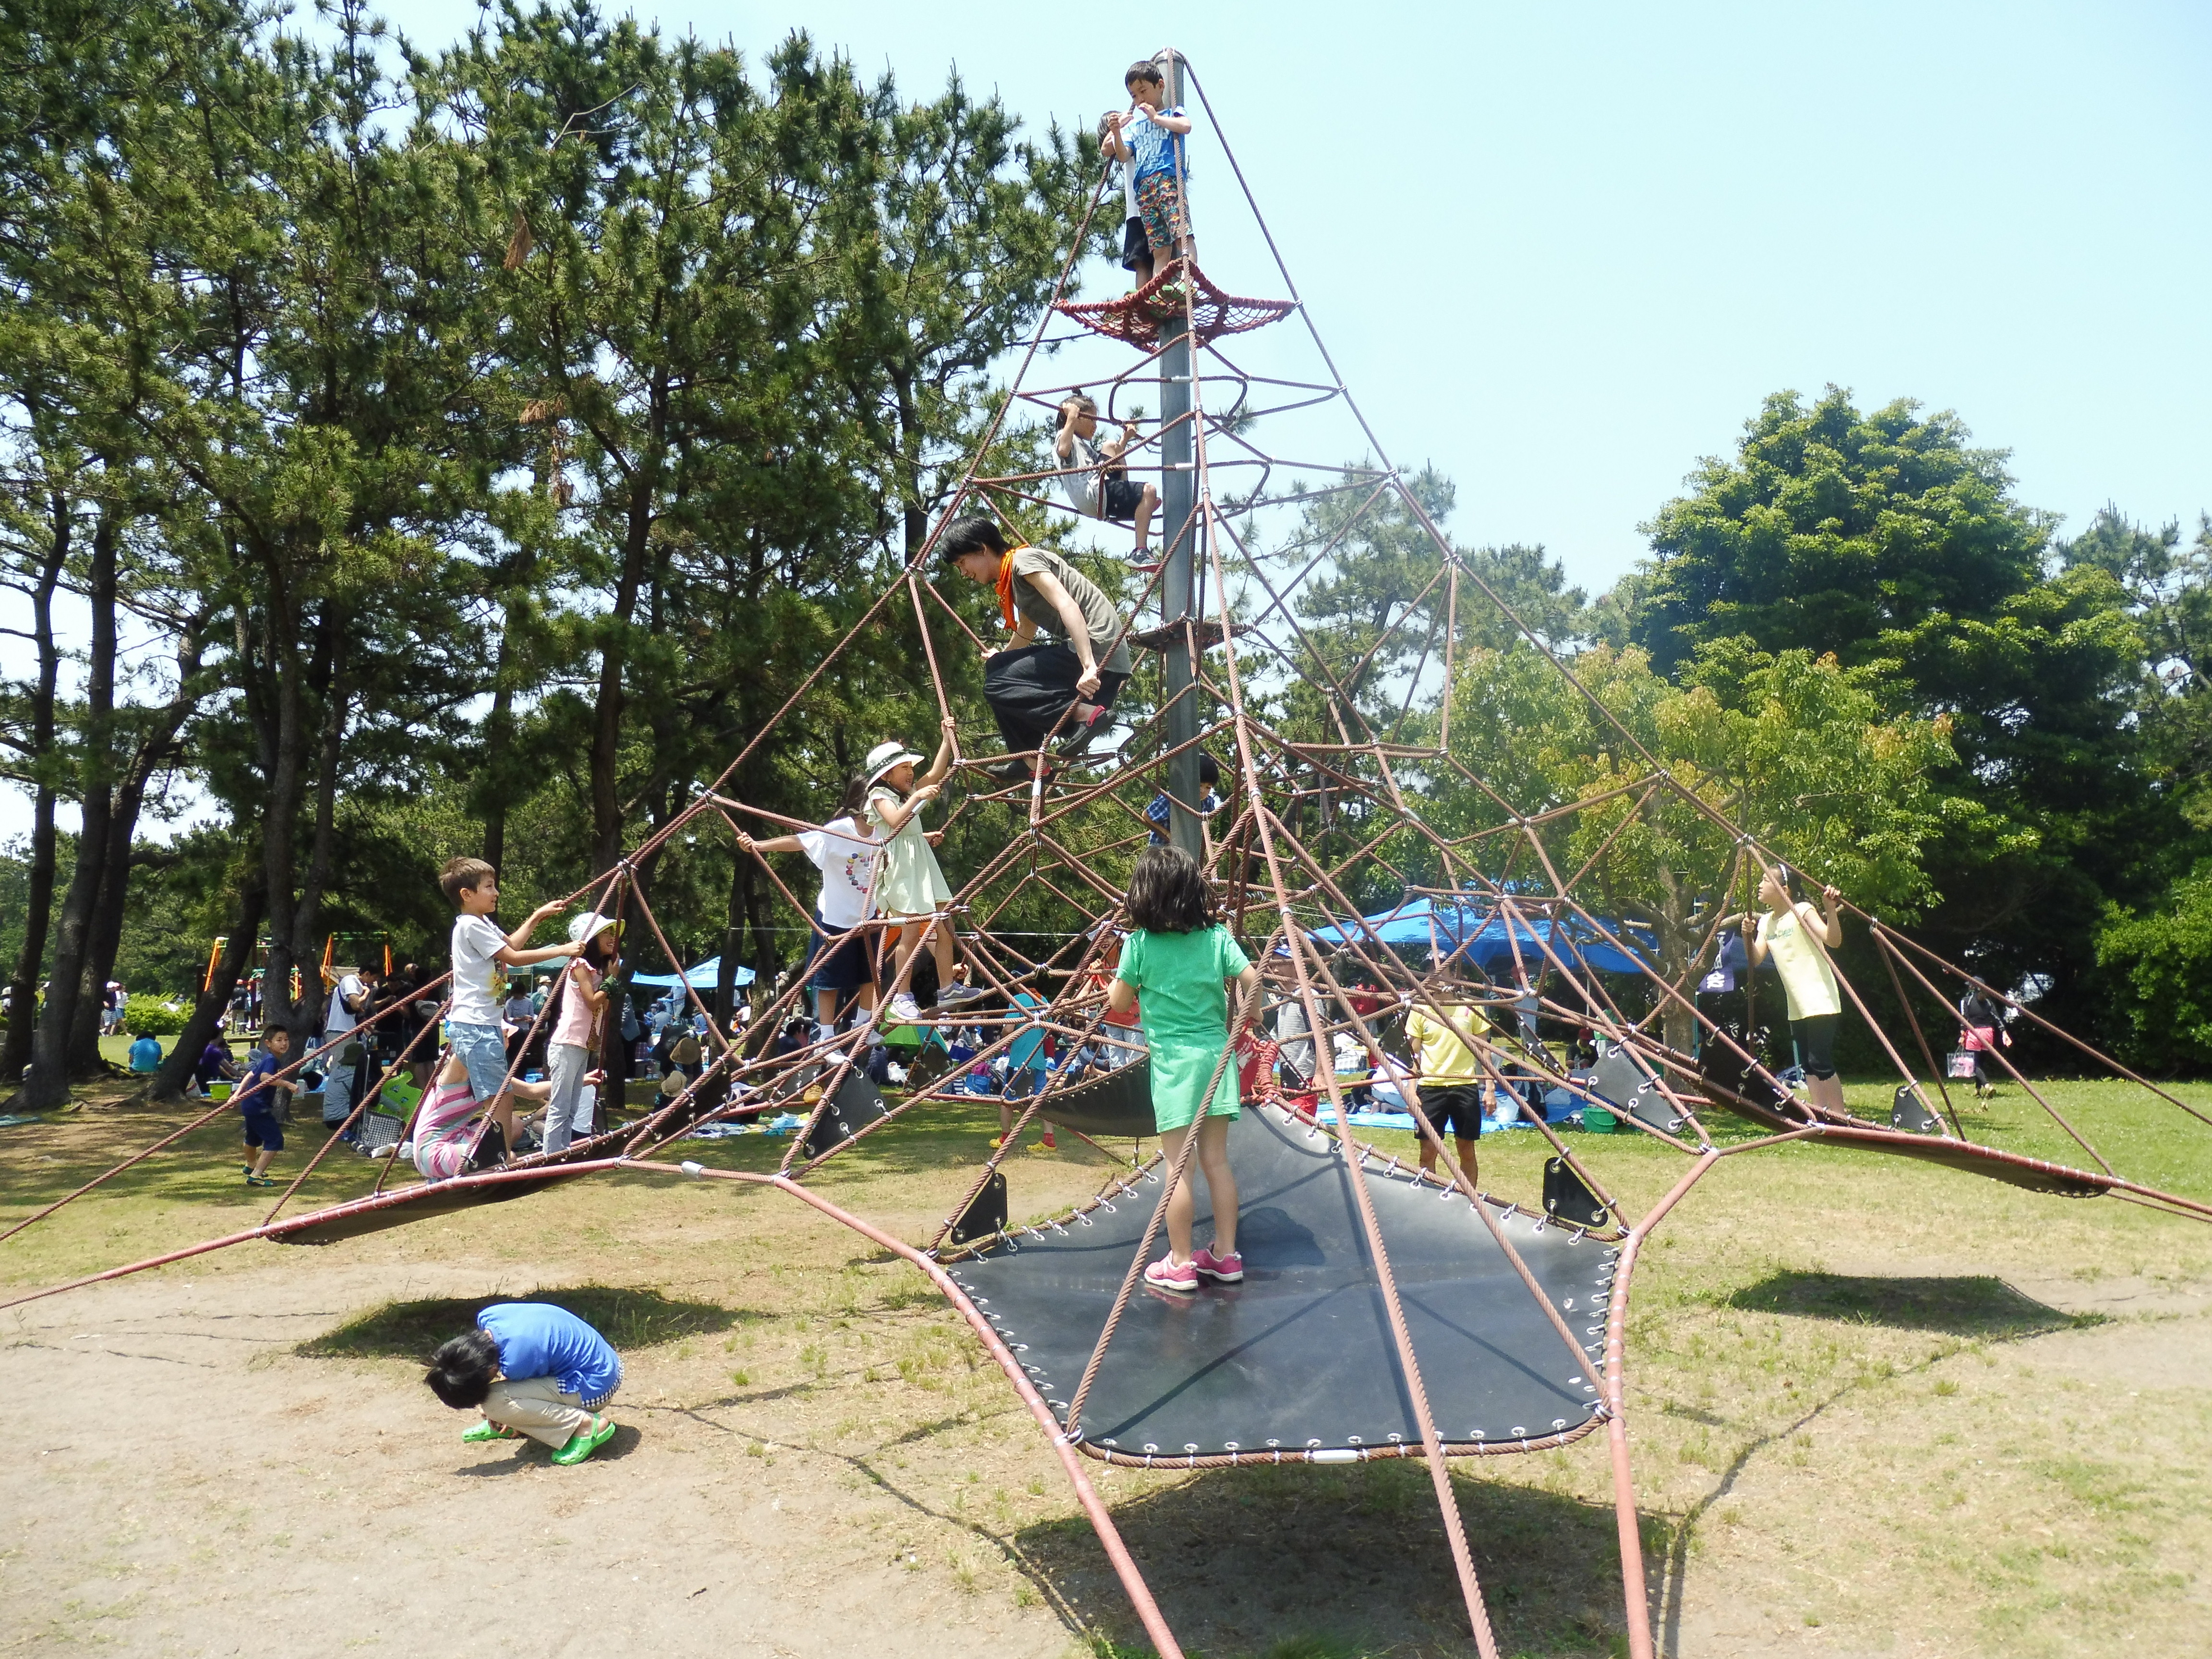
(536, 1406)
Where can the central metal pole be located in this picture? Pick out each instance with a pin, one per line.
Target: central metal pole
(1179, 532)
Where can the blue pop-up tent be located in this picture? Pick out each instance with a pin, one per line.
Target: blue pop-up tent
(1474, 928)
(703, 977)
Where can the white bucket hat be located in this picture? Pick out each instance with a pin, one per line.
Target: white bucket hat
(886, 755)
(590, 926)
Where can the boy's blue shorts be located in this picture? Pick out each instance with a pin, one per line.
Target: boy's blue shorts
(484, 1051)
(263, 1131)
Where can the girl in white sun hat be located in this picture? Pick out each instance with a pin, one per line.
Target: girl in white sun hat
(911, 891)
(580, 1004)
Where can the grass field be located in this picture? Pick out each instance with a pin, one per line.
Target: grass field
(1875, 1408)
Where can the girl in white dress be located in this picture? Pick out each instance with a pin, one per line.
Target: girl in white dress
(911, 891)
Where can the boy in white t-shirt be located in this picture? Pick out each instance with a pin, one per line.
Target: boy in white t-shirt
(844, 967)
(472, 1024)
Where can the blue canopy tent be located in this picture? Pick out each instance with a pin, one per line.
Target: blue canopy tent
(1475, 929)
(704, 976)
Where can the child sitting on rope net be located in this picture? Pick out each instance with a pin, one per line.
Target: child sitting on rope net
(533, 1368)
(1181, 958)
(1096, 479)
(911, 890)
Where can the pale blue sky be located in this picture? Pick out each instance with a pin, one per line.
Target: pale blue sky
(1563, 252)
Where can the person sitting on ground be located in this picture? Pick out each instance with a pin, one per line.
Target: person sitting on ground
(1035, 690)
(256, 1100)
(683, 1060)
(479, 1052)
(911, 890)
(1096, 479)
(844, 850)
(1452, 1090)
(1209, 779)
(533, 1368)
(213, 1065)
(1181, 957)
(145, 1053)
(1151, 139)
(1800, 938)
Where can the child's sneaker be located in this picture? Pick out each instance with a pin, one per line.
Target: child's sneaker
(1223, 1269)
(260, 1180)
(905, 1011)
(1169, 1274)
(1048, 1143)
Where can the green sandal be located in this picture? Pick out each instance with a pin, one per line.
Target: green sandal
(478, 1433)
(583, 1445)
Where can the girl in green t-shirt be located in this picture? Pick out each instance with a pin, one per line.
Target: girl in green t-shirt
(1182, 959)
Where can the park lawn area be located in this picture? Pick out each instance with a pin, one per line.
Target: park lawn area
(1875, 1407)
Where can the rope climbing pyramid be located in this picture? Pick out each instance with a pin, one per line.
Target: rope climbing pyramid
(1387, 1310)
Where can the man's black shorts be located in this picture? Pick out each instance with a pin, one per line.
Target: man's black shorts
(1455, 1108)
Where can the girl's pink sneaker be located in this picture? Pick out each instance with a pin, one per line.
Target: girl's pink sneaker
(1226, 1269)
(1169, 1274)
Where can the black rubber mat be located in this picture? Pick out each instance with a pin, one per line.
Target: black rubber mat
(1300, 1356)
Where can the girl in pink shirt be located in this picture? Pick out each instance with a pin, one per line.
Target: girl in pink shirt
(576, 1028)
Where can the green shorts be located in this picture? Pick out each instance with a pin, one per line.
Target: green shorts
(1179, 1079)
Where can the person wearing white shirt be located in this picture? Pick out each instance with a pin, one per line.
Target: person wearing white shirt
(472, 1024)
(848, 858)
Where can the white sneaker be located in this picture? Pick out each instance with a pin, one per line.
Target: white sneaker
(904, 1009)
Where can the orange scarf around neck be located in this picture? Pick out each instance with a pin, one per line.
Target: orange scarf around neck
(1006, 584)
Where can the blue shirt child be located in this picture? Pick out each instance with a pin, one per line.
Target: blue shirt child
(536, 1339)
(1156, 148)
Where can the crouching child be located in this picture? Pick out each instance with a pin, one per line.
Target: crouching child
(533, 1370)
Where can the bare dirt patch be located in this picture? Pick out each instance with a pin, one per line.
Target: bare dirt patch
(1875, 1411)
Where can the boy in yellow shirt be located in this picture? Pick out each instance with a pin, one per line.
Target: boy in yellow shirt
(1454, 1090)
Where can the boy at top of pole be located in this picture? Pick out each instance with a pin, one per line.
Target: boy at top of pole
(841, 968)
(1150, 139)
(1096, 480)
(1181, 957)
(1034, 688)
(910, 888)
(479, 1056)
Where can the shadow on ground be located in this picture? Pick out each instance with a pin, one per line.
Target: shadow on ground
(412, 1330)
(1971, 1307)
(1345, 1563)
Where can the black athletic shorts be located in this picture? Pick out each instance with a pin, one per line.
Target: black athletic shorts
(1816, 1043)
(1455, 1108)
(1119, 499)
(1136, 247)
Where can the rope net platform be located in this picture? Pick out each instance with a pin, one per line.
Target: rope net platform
(1385, 1313)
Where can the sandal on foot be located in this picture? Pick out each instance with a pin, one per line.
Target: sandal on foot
(260, 1180)
(476, 1433)
(583, 1445)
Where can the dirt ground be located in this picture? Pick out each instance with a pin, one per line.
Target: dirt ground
(1875, 1411)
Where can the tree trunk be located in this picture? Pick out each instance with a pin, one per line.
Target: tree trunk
(207, 1013)
(607, 716)
(38, 900)
(157, 749)
(46, 1088)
